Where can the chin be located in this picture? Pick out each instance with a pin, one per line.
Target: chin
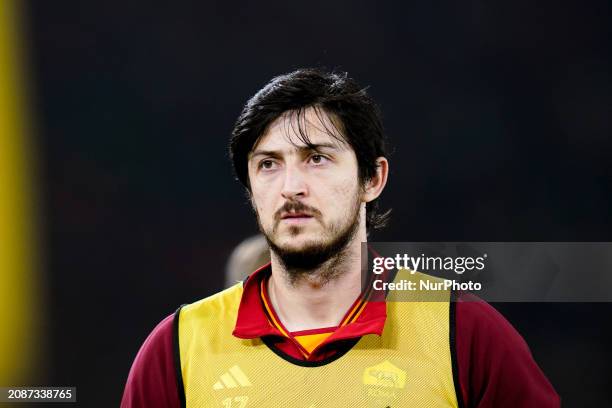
(297, 245)
(299, 235)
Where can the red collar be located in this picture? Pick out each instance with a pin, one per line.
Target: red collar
(253, 321)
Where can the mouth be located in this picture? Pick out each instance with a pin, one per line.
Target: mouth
(296, 217)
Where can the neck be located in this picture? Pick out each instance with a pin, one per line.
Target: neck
(320, 297)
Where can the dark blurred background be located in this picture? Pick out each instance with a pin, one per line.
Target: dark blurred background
(499, 115)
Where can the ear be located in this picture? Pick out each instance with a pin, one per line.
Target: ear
(375, 185)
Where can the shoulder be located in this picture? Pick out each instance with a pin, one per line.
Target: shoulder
(477, 318)
(152, 381)
(495, 365)
(212, 306)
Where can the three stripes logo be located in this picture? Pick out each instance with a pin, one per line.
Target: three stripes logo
(232, 378)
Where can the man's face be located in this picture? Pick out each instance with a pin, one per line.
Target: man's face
(307, 198)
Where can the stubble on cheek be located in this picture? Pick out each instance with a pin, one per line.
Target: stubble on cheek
(349, 193)
(260, 222)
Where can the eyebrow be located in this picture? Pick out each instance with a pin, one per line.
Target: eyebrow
(276, 153)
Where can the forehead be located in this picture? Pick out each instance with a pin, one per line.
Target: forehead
(300, 128)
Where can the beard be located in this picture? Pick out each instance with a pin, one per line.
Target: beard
(308, 258)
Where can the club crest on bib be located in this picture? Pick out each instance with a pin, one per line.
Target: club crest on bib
(385, 374)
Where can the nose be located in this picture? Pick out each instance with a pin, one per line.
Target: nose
(294, 185)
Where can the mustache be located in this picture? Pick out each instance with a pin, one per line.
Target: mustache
(296, 206)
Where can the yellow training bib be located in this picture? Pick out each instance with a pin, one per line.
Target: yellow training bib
(410, 365)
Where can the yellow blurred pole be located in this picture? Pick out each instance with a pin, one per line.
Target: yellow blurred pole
(18, 255)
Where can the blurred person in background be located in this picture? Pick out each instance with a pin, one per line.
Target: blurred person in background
(300, 332)
(248, 256)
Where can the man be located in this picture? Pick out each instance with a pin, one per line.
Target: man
(299, 332)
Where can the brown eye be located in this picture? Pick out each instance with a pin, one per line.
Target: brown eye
(318, 159)
(266, 164)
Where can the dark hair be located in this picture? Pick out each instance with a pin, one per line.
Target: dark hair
(339, 96)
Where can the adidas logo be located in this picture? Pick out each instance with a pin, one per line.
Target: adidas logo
(233, 378)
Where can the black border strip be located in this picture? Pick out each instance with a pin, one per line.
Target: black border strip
(348, 344)
(452, 318)
(177, 357)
